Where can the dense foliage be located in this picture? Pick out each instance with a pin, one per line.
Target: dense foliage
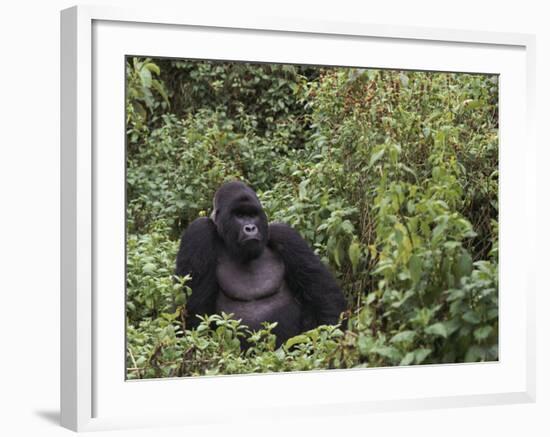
(391, 176)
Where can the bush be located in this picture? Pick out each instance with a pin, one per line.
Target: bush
(391, 177)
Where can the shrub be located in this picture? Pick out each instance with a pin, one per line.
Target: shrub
(390, 176)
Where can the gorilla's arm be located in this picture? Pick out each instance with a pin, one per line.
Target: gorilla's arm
(197, 257)
(307, 275)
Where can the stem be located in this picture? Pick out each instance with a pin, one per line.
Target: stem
(134, 362)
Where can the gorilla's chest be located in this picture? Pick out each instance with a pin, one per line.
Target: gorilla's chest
(256, 292)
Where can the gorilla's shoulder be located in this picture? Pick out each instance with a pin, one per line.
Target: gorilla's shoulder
(199, 240)
(201, 224)
(279, 232)
(286, 240)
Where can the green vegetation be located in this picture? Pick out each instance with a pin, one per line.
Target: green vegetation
(391, 176)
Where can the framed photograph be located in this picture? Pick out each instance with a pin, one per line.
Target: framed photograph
(293, 218)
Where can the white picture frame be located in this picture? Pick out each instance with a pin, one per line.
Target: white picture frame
(94, 393)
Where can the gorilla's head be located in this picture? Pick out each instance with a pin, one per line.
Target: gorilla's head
(240, 220)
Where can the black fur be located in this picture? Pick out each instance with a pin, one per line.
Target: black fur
(236, 245)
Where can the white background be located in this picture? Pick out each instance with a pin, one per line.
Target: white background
(29, 216)
(114, 397)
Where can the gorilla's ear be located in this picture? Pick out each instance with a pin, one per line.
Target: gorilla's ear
(214, 210)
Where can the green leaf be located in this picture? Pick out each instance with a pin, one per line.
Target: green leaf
(455, 294)
(407, 359)
(439, 138)
(336, 255)
(153, 68)
(437, 329)
(146, 78)
(473, 104)
(302, 192)
(149, 268)
(403, 337)
(347, 227)
(421, 355)
(438, 231)
(463, 265)
(387, 352)
(280, 354)
(475, 353)
(354, 253)
(364, 344)
(415, 267)
(471, 317)
(452, 325)
(296, 340)
(483, 332)
(376, 156)
(160, 89)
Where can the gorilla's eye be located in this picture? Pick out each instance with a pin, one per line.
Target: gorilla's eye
(245, 213)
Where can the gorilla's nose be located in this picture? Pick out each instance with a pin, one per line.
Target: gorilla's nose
(250, 230)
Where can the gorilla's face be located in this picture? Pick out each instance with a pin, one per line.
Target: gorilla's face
(240, 220)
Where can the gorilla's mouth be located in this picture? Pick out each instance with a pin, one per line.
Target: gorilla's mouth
(248, 240)
(250, 247)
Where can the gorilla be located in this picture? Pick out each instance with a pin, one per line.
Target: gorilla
(260, 272)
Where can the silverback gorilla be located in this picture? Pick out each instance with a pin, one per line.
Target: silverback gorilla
(260, 272)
